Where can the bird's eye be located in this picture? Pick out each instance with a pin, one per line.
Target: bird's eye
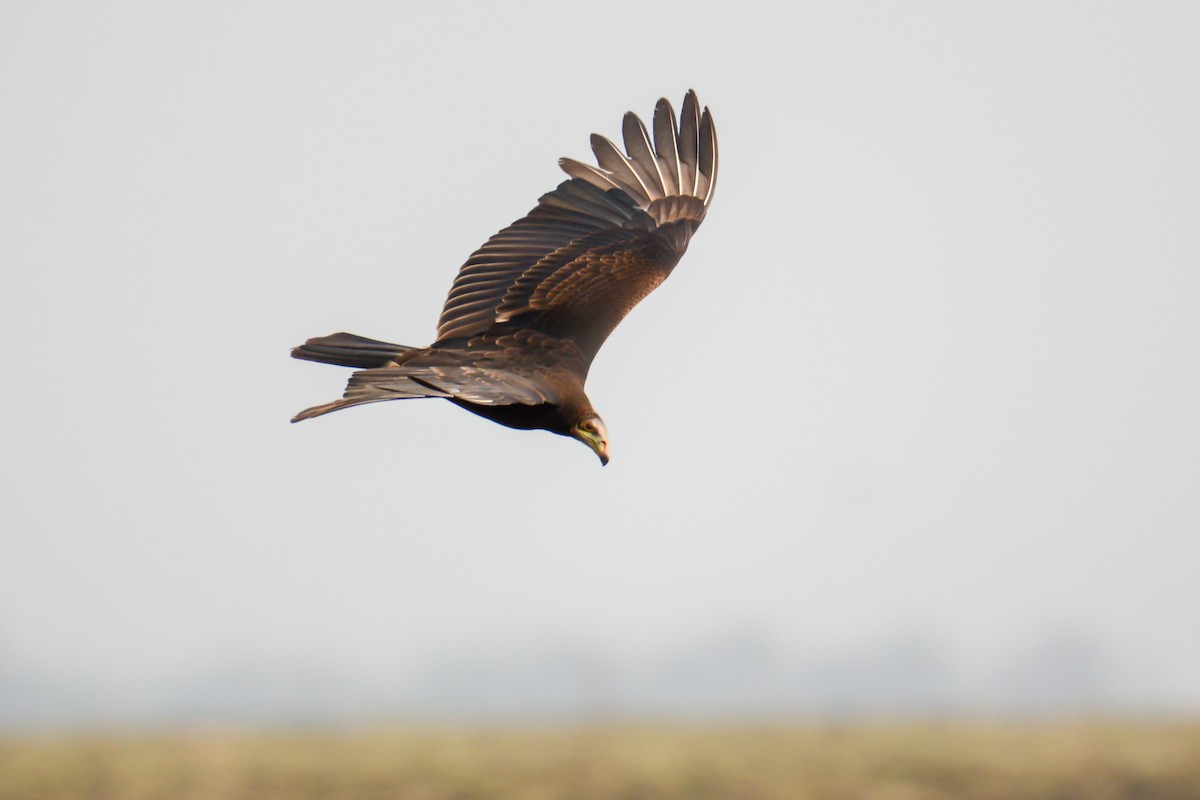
(588, 426)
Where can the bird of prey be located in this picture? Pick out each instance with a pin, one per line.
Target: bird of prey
(530, 308)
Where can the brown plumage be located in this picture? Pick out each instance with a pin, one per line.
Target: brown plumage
(531, 307)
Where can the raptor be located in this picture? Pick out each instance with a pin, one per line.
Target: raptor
(530, 309)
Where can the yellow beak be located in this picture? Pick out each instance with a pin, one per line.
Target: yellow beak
(598, 444)
(591, 431)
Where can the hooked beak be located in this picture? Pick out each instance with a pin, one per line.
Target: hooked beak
(599, 446)
(594, 435)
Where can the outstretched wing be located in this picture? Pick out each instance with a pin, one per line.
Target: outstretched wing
(595, 246)
(480, 385)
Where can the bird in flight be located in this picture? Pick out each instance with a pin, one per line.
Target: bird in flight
(530, 309)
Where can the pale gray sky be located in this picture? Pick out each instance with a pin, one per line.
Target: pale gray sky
(938, 336)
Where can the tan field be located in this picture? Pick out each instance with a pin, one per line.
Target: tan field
(1060, 761)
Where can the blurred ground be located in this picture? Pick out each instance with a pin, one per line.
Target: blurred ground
(1063, 761)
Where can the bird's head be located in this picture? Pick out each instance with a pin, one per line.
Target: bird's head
(591, 431)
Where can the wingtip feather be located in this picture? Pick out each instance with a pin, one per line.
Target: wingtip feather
(641, 155)
(615, 163)
(666, 142)
(676, 156)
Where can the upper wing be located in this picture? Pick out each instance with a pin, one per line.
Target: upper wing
(592, 248)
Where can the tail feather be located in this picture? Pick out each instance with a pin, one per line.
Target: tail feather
(348, 350)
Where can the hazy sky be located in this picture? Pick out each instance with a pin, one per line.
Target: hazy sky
(930, 365)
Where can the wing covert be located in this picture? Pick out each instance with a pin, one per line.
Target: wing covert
(593, 247)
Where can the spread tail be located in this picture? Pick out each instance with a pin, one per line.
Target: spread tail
(348, 350)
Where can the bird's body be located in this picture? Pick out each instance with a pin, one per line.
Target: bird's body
(531, 308)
